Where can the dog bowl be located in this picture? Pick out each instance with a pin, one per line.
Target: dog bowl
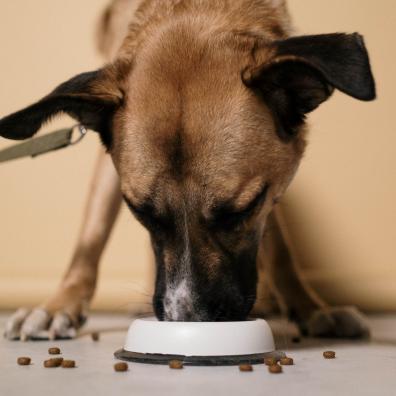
(198, 343)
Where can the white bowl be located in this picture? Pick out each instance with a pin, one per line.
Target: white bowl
(148, 337)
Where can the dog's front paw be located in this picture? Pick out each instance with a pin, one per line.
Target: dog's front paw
(340, 322)
(39, 324)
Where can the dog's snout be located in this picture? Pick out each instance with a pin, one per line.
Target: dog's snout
(180, 312)
(178, 303)
(202, 275)
(181, 304)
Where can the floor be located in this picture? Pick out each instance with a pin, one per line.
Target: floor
(361, 368)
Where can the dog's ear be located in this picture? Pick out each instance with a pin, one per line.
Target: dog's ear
(90, 98)
(303, 72)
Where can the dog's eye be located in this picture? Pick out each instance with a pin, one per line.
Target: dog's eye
(228, 220)
(226, 217)
(146, 214)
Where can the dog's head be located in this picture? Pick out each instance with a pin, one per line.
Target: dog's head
(206, 135)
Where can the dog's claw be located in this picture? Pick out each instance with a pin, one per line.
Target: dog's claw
(62, 327)
(14, 324)
(36, 322)
(341, 322)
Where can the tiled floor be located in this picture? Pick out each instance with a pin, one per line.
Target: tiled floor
(367, 368)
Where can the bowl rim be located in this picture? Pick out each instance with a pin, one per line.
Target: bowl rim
(150, 336)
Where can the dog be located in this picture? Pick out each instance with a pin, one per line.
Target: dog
(201, 111)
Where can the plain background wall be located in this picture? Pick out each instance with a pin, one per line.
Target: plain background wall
(340, 206)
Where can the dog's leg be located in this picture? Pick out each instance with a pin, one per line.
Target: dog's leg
(65, 312)
(295, 297)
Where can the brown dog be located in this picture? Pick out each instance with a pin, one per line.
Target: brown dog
(202, 113)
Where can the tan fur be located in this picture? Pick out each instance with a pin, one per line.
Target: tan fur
(196, 62)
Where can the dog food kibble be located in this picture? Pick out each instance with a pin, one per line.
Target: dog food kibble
(121, 367)
(54, 351)
(286, 361)
(51, 363)
(95, 336)
(176, 364)
(329, 355)
(68, 364)
(57, 361)
(24, 361)
(270, 361)
(245, 367)
(275, 369)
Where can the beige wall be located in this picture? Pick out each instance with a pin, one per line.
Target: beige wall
(342, 203)
(340, 207)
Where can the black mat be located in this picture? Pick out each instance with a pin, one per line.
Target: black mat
(149, 358)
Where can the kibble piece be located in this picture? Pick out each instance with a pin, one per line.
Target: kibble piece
(54, 351)
(275, 369)
(270, 361)
(121, 367)
(245, 367)
(51, 363)
(24, 361)
(95, 336)
(57, 361)
(176, 364)
(286, 361)
(329, 355)
(68, 364)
